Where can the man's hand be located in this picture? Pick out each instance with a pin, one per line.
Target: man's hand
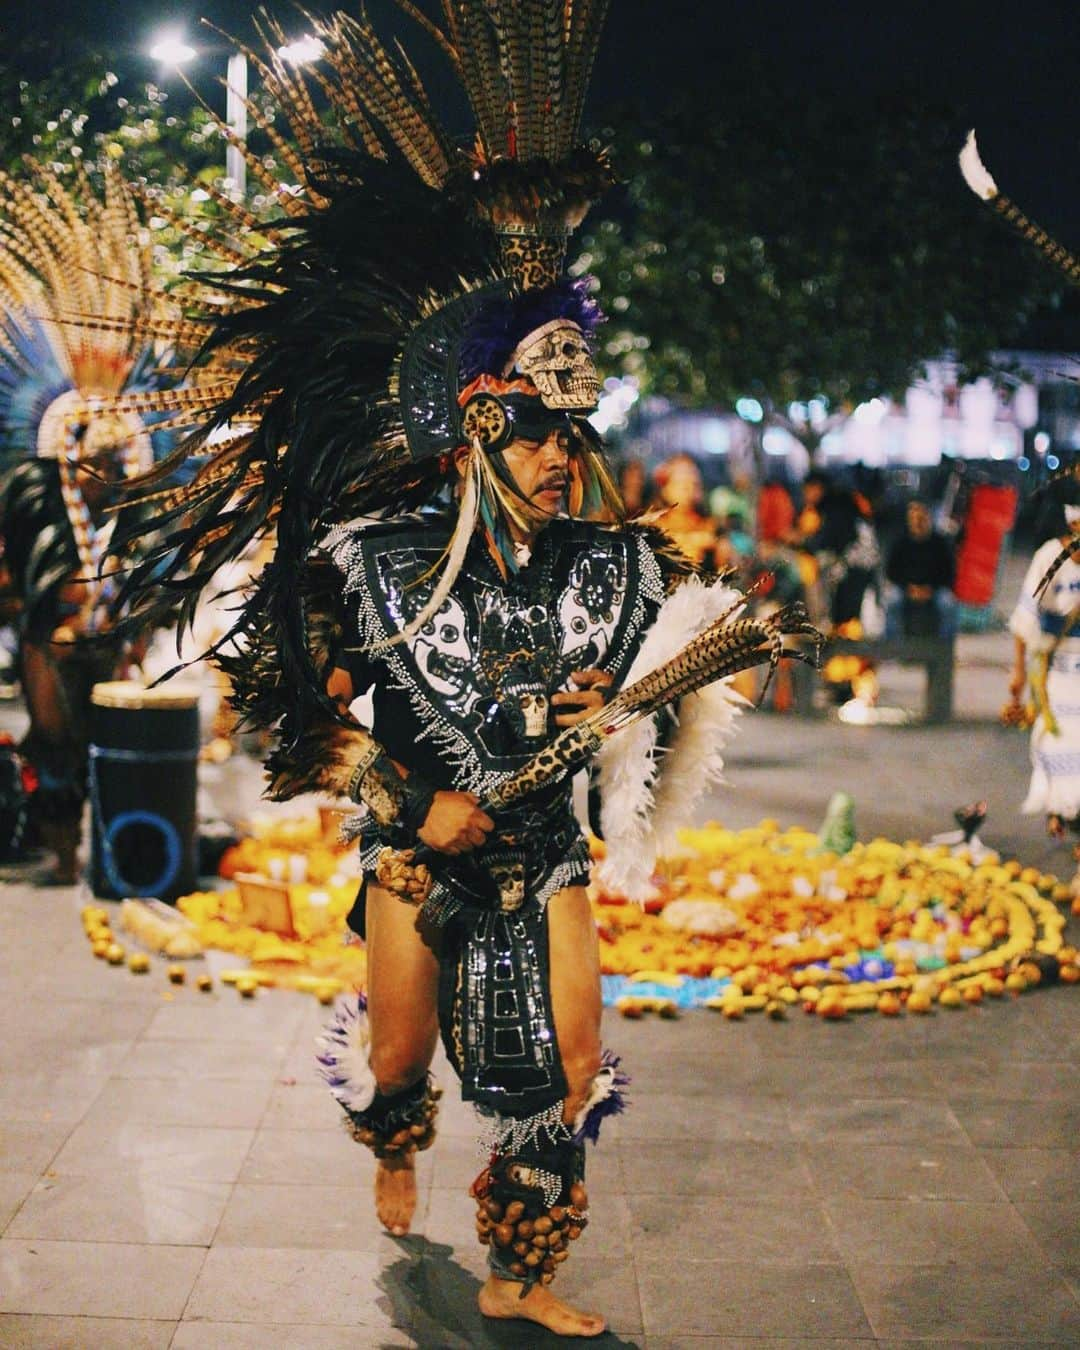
(586, 699)
(455, 824)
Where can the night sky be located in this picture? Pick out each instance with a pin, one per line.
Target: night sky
(1012, 71)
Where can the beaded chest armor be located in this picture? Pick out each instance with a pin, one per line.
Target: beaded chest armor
(466, 701)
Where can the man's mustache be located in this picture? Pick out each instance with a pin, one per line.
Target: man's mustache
(557, 482)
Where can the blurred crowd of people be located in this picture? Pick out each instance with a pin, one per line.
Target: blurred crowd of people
(818, 542)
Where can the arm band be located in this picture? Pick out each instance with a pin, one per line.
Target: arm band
(399, 804)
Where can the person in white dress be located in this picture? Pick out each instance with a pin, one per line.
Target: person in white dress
(1046, 627)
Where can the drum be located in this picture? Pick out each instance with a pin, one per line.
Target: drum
(144, 748)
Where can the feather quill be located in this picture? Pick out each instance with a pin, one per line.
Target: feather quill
(975, 172)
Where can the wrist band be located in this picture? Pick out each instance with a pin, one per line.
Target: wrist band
(400, 804)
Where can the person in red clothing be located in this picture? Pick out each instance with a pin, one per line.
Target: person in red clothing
(775, 512)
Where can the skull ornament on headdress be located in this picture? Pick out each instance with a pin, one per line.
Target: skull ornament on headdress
(557, 359)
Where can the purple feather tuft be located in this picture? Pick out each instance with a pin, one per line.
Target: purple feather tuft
(499, 325)
(608, 1098)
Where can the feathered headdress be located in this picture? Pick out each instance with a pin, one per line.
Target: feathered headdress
(81, 324)
(336, 361)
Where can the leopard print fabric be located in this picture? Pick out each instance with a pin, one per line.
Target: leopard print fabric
(533, 260)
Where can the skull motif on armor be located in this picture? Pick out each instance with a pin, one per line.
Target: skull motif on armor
(524, 703)
(534, 708)
(557, 360)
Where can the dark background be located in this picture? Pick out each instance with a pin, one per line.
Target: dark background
(1012, 71)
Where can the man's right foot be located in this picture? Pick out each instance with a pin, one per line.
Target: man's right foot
(502, 1299)
(395, 1192)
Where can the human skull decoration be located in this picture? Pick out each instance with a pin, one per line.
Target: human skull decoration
(510, 879)
(557, 359)
(534, 708)
(525, 704)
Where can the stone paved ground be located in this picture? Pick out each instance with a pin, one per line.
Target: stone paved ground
(172, 1175)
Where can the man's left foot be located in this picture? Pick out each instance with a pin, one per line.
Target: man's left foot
(502, 1299)
(395, 1193)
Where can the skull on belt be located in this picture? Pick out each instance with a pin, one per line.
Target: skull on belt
(509, 877)
(556, 358)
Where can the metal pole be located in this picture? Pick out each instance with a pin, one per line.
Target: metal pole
(236, 120)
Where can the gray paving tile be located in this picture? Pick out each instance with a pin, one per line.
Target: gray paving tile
(884, 1120)
(28, 1332)
(96, 1279)
(727, 1118)
(920, 1232)
(726, 1229)
(46, 1097)
(201, 1060)
(1018, 1124)
(217, 1104)
(1029, 1174)
(331, 1217)
(754, 1343)
(889, 1078)
(176, 1152)
(316, 1157)
(691, 1167)
(1056, 1227)
(744, 1298)
(72, 972)
(1008, 1079)
(14, 1188)
(267, 1285)
(30, 1146)
(1012, 1028)
(1014, 1304)
(951, 1343)
(258, 1020)
(302, 1106)
(284, 1336)
(901, 1172)
(123, 1207)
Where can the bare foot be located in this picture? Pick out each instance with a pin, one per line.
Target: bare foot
(502, 1299)
(395, 1193)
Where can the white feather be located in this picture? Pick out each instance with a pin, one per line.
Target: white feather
(600, 1089)
(643, 802)
(342, 1055)
(975, 172)
(693, 763)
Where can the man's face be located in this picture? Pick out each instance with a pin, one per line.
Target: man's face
(918, 520)
(540, 470)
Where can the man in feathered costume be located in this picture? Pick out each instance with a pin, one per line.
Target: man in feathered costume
(406, 381)
(76, 301)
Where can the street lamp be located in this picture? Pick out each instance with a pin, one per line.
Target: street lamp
(171, 50)
(236, 88)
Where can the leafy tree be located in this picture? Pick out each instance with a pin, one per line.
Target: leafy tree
(70, 107)
(797, 251)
